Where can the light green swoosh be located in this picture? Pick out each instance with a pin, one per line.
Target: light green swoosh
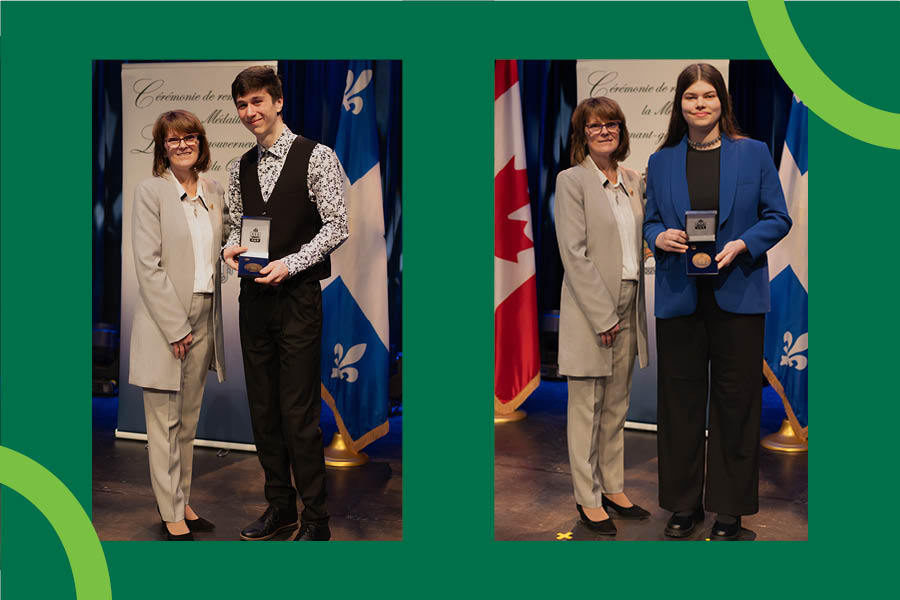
(832, 104)
(56, 502)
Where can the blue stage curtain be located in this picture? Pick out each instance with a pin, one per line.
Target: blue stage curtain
(548, 99)
(107, 192)
(313, 92)
(762, 102)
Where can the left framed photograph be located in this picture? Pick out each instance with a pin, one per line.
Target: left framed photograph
(247, 281)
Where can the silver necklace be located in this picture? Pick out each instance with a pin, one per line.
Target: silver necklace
(702, 145)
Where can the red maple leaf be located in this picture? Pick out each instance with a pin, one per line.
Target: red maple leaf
(510, 194)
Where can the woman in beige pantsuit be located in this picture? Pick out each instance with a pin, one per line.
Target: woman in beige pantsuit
(176, 335)
(603, 324)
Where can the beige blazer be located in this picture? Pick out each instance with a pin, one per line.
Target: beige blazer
(591, 253)
(164, 265)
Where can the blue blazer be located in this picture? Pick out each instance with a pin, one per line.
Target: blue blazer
(751, 207)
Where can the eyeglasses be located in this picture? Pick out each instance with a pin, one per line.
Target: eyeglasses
(612, 127)
(190, 139)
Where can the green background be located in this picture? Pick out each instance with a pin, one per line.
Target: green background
(448, 51)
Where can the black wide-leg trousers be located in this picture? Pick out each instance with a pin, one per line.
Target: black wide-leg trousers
(281, 334)
(717, 353)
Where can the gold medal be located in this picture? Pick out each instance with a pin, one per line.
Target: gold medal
(701, 260)
(253, 268)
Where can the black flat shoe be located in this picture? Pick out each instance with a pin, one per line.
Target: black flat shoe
(270, 524)
(199, 524)
(180, 537)
(680, 527)
(604, 527)
(632, 512)
(313, 532)
(721, 532)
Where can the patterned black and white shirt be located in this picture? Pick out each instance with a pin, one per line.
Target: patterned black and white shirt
(325, 180)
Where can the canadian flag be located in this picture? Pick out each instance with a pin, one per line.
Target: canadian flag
(517, 363)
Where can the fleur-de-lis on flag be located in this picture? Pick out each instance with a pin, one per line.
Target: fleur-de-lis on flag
(342, 370)
(793, 358)
(351, 99)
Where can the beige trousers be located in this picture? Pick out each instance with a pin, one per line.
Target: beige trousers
(172, 417)
(596, 414)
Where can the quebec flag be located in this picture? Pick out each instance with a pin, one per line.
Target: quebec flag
(355, 309)
(787, 329)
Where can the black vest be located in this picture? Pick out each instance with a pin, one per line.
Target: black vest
(295, 219)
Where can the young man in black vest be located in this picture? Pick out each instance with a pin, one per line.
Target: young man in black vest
(299, 184)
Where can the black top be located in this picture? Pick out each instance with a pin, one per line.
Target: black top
(295, 219)
(702, 169)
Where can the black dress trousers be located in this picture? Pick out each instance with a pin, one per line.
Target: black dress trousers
(717, 353)
(281, 335)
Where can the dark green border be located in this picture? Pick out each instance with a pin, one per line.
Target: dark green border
(448, 51)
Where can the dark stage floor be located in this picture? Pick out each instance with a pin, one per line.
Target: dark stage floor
(533, 487)
(364, 502)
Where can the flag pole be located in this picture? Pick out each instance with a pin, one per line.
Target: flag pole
(791, 437)
(514, 416)
(340, 456)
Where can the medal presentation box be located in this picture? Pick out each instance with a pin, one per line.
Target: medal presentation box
(700, 226)
(254, 237)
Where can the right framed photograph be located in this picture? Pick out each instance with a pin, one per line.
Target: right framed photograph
(650, 301)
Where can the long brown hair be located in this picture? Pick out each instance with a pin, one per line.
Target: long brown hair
(688, 77)
(181, 122)
(600, 107)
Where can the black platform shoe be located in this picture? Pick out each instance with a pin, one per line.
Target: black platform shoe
(270, 524)
(632, 512)
(604, 527)
(680, 527)
(722, 532)
(313, 532)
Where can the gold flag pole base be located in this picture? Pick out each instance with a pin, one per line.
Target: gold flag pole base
(784, 440)
(338, 455)
(516, 415)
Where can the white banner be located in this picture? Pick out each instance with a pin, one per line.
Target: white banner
(645, 90)
(204, 88)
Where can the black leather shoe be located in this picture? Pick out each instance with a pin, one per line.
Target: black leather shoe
(313, 532)
(181, 537)
(270, 524)
(722, 532)
(199, 524)
(604, 527)
(679, 527)
(632, 512)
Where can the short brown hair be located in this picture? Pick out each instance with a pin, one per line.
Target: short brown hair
(602, 108)
(178, 122)
(257, 78)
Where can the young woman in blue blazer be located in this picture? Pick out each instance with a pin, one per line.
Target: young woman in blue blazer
(710, 327)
